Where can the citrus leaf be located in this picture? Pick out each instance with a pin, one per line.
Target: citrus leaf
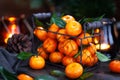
(81, 20)
(7, 75)
(84, 20)
(57, 20)
(102, 57)
(85, 75)
(76, 55)
(57, 73)
(24, 55)
(45, 77)
(37, 22)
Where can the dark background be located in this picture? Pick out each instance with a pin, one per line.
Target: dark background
(78, 8)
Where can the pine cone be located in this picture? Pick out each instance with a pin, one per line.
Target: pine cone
(19, 43)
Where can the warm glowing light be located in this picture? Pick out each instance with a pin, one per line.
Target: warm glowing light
(8, 36)
(97, 30)
(103, 46)
(13, 30)
(96, 41)
(11, 19)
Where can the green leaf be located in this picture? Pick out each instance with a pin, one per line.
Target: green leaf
(7, 75)
(85, 75)
(45, 77)
(81, 20)
(76, 55)
(24, 55)
(37, 22)
(57, 20)
(57, 73)
(84, 20)
(102, 57)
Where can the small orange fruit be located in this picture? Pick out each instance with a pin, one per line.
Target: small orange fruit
(86, 39)
(62, 36)
(73, 28)
(114, 66)
(78, 59)
(60, 47)
(42, 53)
(37, 62)
(50, 45)
(40, 33)
(67, 60)
(74, 70)
(69, 47)
(56, 57)
(92, 48)
(68, 18)
(52, 31)
(87, 58)
(24, 77)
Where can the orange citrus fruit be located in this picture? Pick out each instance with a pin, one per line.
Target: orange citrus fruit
(42, 53)
(73, 28)
(52, 31)
(37, 62)
(24, 77)
(67, 60)
(40, 33)
(62, 36)
(95, 59)
(114, 66)
(68, 18)
(56, 57)
(86, 39)
(69, 47)
(60, 47)
(78, 59)
(74, 70)
(92, 48)
(50, 45)
(88, 59)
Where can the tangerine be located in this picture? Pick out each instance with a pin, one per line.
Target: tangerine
(68, 18)
(52, 31)
(37, 62)
(67, 60)
(74, 70)
(92, 48)
(60, 47)
(73, 28)
(40, 33)
(114, 66)
(24, 77)
(62, 36)
(50, 45)
(78, 59)
(42, 53)
(69, 47)
(87, 58)
(86, 39)
(56, 57)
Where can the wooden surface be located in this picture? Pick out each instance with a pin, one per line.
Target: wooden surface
(101, 72)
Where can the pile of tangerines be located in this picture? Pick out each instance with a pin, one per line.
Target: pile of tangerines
(63, 46)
